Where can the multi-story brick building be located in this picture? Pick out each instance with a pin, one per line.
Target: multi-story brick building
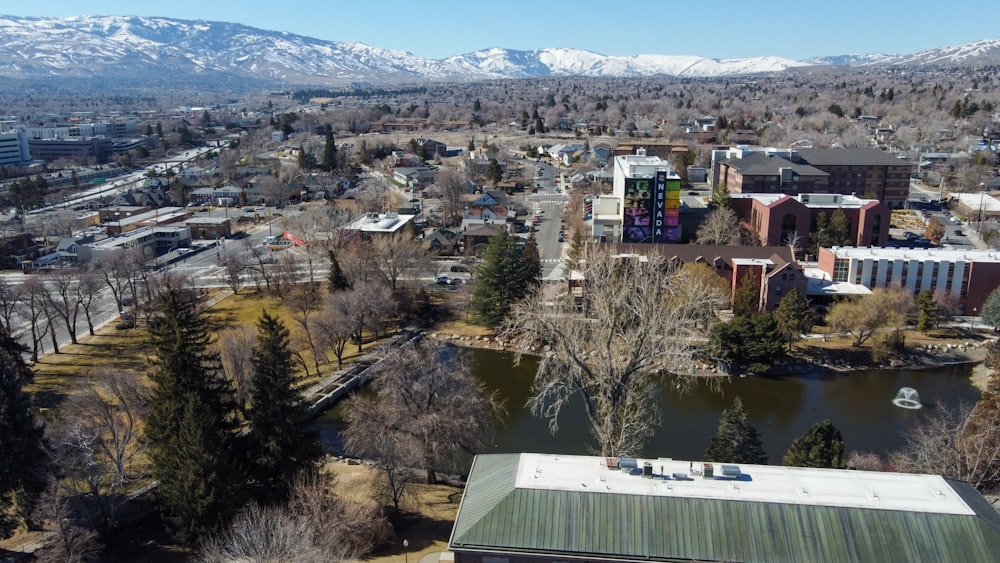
(776, 217)
(863, 172)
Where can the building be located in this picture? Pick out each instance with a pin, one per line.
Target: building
(969, 275)
(777, 217)
(546, 508)
(863, 172)
(96, 148)
(14, 148)
(650, 194)
(773, 267)
(157, 239)
(378, 224)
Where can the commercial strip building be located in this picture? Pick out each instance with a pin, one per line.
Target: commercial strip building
(969, 275)
(548, 508)
(861, 172)
(157, 239)
(776, 217)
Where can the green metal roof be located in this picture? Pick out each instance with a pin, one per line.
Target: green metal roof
(496, 516)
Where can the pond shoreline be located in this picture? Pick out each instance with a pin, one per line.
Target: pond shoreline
(809, 358)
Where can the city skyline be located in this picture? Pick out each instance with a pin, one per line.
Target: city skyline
(783, 29)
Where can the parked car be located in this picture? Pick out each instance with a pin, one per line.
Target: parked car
(958, 232)
(442, 280)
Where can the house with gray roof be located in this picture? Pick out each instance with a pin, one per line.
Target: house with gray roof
(540, 507)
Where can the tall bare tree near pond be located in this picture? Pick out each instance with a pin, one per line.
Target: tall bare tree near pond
(635, 325)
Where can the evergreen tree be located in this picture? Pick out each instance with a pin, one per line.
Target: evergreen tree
(839, 228)
(22, 447)
(329, 163)
(747, 344)
(746, 298)
(282, 443)
(530, 273)
(926, 311)
(494, 171)
(720, 197)
(498, 282)
(338, 280)
(736, 440)
(191, 427)
(990, 312)
(575, 252)
(821, 446)
(820, 235)
(794, 317)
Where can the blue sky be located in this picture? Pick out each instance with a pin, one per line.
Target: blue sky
(793, 29)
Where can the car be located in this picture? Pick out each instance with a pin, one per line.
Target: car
(248, 209)
(183, 250)
(956, 220)
(442, 280)
(562, 237)
(958, 232)
(692, 193)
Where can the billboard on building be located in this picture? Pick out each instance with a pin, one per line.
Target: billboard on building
(638, 208)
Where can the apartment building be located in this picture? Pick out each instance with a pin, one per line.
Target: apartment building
(650, 193)
(863, 172)
(777, 217)
(969, 275)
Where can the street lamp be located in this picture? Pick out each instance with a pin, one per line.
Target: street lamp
(406, 555)
(974, 314)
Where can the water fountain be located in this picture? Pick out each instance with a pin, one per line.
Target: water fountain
(907, 398)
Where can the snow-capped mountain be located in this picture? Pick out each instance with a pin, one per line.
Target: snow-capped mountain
(93, 46)
(171, 51)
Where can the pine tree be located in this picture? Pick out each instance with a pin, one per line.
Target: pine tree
(927, 311)
(990, 312)
(281, 441)
(794, 317)
(839, 228)
(746, 298)
(821, 446)
(329, 163)
(530, 274)
(191, 427)
(22, 447)
(736, 440)
(497, 281)
(338, 280)
(575, 252)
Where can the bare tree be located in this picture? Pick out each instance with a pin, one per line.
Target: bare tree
(235, 347)
(11, 306)
(399, 255)
(413, 386)
(97, 445)
(375, 303)
(36, 314)
(68, 541)
(637, 321)
(338, 322)
(304, 301)
(314, 526)
(450, 186)
(721, 226)
(87, 288)
(63, 299)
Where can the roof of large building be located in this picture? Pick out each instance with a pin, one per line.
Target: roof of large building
(708, 252)
(760, 164)
(851, 157)
(810, 200)
(981, 200)
(614, 510)
(935, 254)
(379, 222)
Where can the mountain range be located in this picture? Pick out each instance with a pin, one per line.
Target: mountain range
(171, 50)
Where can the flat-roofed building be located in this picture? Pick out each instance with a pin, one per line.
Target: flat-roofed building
(777, 217)
(650, 195)
(378, 224)
(968, 275)
(157, 239)
(539, 507)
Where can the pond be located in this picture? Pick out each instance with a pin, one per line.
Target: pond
(781, 408)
